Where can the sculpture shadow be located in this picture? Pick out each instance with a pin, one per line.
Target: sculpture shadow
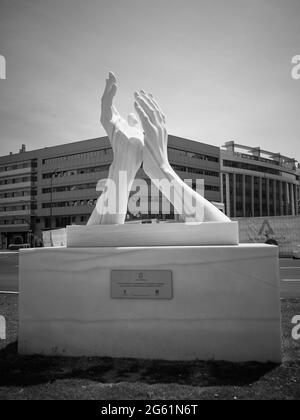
(26, 371)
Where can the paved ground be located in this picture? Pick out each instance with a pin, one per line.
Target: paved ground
(62, 378)
(289, 271)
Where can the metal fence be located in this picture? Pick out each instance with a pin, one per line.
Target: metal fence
(284, 231)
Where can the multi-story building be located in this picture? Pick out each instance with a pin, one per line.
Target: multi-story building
(56, 186)
(258, 183)
(18, 193)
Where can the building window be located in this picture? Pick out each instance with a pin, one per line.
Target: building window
(239, 196)
(47, 223)
(257, 197)
(248, 194)
(265, 198)
(212, 188)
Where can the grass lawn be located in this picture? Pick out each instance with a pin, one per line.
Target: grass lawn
(103, 378)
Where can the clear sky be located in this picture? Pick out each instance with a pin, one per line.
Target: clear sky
(221, 69)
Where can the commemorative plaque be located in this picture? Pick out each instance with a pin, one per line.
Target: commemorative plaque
(147, 284)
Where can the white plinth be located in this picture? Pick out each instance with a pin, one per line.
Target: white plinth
(225, 304)
(161, 234)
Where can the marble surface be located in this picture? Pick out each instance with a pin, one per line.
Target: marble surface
(161, 234)
(225, 304)
(2, 328)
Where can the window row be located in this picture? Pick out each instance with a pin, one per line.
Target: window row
(196, 171)
(18, 180)
(284, 162)
(199, 156)
(13, 221)
(84, 155)
(15, 208)
(72, 203)
(97, 154)
(68, 188)
(259, 197)
(16, 194)
(256, 168)
(16, 166)
(212, 188)
(62, 222)
(82, 171)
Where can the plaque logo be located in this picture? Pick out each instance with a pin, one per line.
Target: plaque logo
(141, 277)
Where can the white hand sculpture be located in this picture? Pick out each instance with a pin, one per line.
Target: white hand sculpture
(127, 141)
(157, 166)
(126, 137)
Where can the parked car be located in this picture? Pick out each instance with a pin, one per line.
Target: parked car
(17, 247)
(296, 253)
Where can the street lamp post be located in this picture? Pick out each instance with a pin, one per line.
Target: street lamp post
(53, 175)
(29, 222)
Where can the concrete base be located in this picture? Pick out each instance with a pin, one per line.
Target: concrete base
(152, 235)
(225, 304)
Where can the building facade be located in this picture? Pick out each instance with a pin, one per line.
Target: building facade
(54, 187)
(258, 183)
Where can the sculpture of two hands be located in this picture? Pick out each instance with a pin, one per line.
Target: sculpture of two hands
(133, 146)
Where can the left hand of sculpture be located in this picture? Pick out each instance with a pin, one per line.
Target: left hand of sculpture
(126, 137)
(127, 140)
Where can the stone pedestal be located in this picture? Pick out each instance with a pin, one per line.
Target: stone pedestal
(173, 303)
(160, 234)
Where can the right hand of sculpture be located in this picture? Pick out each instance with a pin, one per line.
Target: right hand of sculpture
(156, 135)
(157, 166)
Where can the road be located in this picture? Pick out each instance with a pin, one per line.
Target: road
(290, 278)
(289, 271)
